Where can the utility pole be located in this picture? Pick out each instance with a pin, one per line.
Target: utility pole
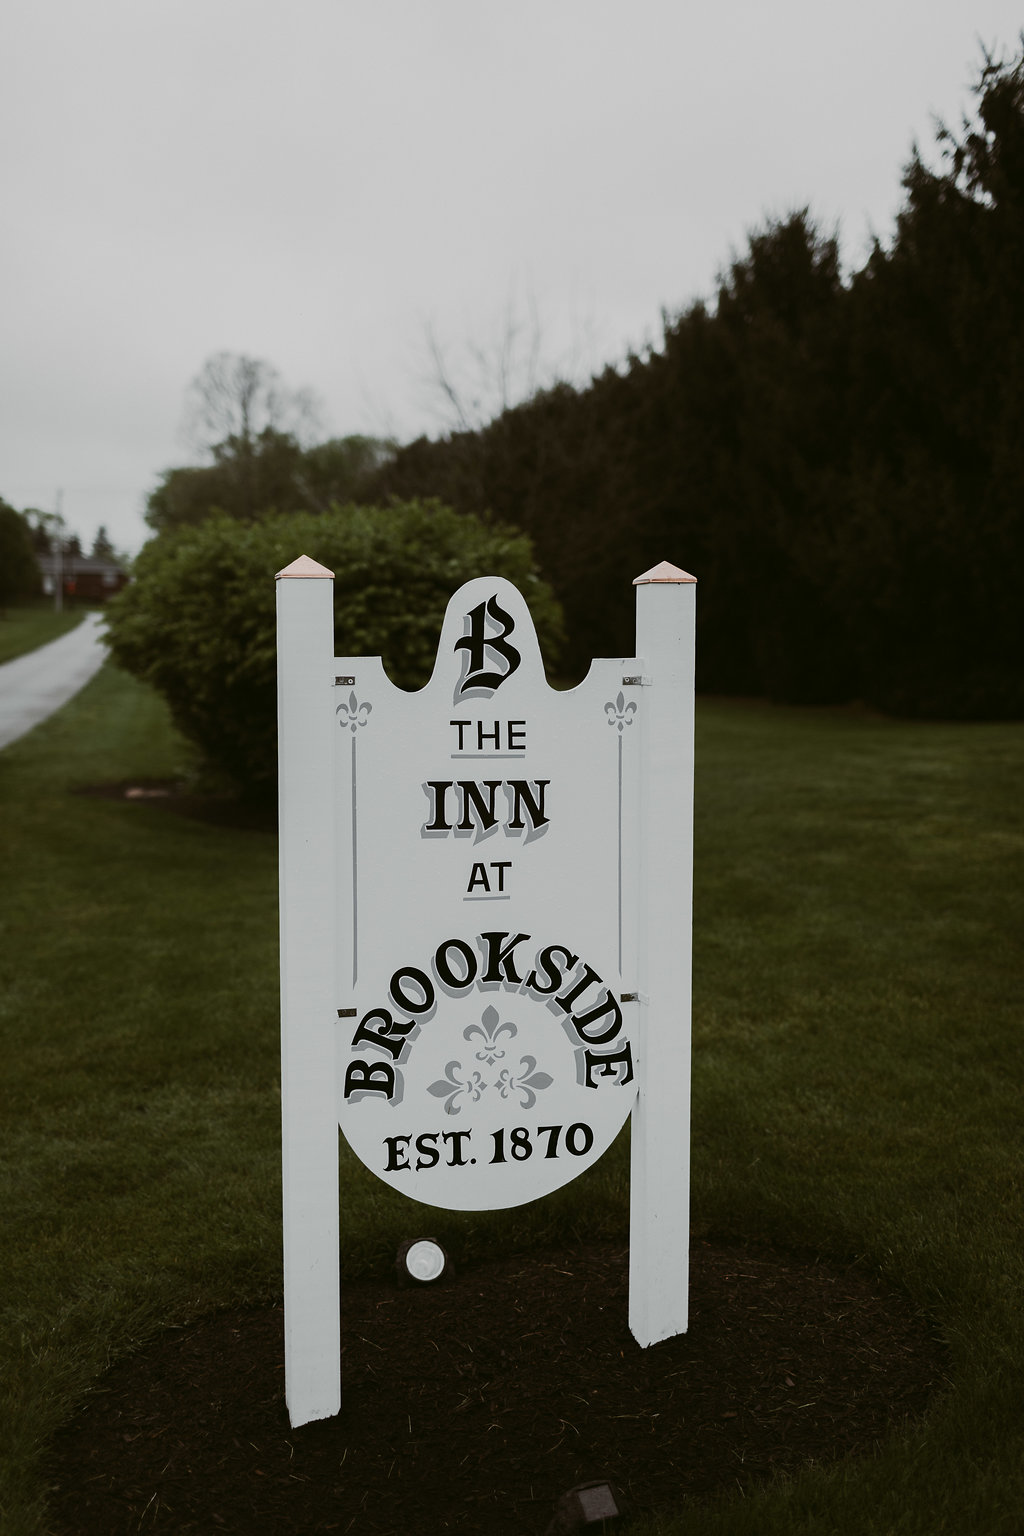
(58, 534)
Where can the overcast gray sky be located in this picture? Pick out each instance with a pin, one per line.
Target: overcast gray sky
(319, 183)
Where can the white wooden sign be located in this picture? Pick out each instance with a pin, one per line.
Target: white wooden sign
(491, 1056)
(475, 878)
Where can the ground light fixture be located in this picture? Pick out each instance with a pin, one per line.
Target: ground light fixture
(589, 1507)
(422, 1261)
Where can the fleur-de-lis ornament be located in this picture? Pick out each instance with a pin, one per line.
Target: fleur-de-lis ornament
(352, 713)
(527, 1082)
(453, 1086)
(620, 714)
(490, 1029)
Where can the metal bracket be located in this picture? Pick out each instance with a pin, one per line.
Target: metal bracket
(347, 1013)
(633, 997)
(344, 682)
(636, 680)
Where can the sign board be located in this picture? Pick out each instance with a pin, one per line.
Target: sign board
(485, 914)
(484, 820)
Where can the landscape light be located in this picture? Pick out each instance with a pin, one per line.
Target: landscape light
(423, 1261)
(589, 1507)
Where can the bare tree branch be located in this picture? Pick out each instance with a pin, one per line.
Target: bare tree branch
(235, 396)
(475, 381)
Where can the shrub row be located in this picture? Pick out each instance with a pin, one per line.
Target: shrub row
(198, 622)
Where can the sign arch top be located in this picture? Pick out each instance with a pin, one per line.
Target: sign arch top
(489, 630)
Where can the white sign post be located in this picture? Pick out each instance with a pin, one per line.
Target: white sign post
(309, 1119)
(659, 1220)
(485, 934)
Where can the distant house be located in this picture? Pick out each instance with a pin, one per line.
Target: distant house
(86, 578)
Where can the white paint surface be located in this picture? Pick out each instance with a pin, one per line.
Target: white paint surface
(659, 1224)
(498, 1057)
(307, 881)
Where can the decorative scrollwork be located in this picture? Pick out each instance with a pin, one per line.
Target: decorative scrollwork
(459, 1083)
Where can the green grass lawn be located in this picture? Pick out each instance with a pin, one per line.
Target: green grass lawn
(857, 1074)
(32, 624)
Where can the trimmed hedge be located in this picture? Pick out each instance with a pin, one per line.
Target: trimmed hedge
(198, 622)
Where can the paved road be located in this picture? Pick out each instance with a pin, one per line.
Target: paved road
(33, 686)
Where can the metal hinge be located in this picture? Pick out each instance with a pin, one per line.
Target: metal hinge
(344, 682)
(347, 1013)
(636, 680)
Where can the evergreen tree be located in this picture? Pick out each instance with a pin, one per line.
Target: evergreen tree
(934, 531)
(102, 548)
(841, 465)
(19, 573)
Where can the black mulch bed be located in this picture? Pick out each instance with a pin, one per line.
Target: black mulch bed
(472, 1405)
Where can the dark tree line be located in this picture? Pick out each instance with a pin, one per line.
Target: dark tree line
(840, 462)
(19, 573)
